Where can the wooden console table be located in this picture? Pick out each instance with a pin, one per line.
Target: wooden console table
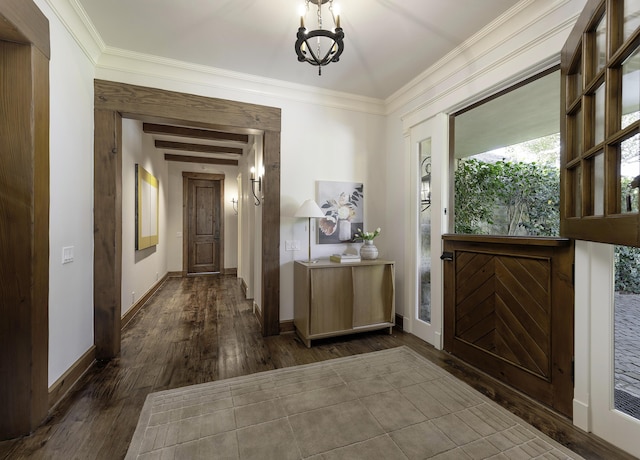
(334, 299)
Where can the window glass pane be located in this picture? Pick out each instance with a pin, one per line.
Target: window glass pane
(600, 51)
(598, 127)
(631, 17)
(425, 231)
(575, 82)
(507, 155)
(575, 179)
(631, 89)
(575, 143)
(597, 181)
(630, 173)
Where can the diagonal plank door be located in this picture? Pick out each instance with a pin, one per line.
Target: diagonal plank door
(509, 311)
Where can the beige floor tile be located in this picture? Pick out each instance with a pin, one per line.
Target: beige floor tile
(308, 385)
(331, 427)
(381, 447)
(366, 387)
(480, 449)
(456, 429)
(253, 414)
(254, 397)
(392, 410)
(221, 447)
(453, 454)
(314, 399)
(424, 402)
(268, 441)
(421, 441)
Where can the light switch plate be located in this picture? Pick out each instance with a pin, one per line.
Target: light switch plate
(67, 254)
(292, 245)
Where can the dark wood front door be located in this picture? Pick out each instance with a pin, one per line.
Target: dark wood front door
(508, 310)
(204, 223)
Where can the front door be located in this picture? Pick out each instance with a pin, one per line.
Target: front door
(508, 310)
(204, 223)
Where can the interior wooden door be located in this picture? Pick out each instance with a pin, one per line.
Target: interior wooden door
(205, 224)
(509, 311)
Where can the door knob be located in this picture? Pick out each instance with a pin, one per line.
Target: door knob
(446, 256)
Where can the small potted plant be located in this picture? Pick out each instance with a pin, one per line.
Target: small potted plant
(368, 251)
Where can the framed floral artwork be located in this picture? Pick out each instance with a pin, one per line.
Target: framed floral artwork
(342, 204)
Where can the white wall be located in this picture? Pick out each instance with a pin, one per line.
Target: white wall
(175, 212)
(71, 203)
(141, 269)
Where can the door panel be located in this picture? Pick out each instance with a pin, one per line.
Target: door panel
(509, 312)
(428, 219)
(204, 230)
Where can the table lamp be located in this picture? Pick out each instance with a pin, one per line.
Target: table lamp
(309, 209)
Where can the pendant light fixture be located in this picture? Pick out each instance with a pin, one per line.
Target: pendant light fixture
(321, 46)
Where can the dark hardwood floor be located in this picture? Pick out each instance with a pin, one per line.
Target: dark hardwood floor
(199, 329)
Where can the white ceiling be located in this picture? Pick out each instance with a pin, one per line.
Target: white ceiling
(387, 42)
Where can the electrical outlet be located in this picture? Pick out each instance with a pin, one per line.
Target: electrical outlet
(133, 298)
(296, 245)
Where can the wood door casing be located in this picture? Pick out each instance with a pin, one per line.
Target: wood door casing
(509, 312)
(204, 223)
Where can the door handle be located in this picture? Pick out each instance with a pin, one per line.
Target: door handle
(447, 256)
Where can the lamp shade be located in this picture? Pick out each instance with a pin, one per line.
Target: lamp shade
(309, 209)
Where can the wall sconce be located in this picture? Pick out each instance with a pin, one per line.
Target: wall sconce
(253, 185)
(234, 203)
(425, 183)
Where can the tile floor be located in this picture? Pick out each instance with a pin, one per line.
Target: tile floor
(391, 404)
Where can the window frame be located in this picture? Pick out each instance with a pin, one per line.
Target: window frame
(579, 208)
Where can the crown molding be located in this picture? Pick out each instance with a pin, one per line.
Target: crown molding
(75, 20)
(492, 47)
(114, 60)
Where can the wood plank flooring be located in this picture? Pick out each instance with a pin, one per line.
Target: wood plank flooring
(199, 329)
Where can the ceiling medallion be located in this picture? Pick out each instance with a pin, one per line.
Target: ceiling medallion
(328, 44)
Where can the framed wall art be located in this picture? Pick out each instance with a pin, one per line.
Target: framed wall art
(146, 209)
(343, 206)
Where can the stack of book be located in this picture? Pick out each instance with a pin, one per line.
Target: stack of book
(344, 258)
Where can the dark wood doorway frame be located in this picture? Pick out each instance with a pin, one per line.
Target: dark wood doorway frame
(112, 101)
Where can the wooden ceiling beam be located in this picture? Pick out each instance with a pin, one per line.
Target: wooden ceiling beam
(192, 159)
(201, 148)
(181, 131)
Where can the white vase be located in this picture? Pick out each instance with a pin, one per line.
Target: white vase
(344, 230)
(368, 251)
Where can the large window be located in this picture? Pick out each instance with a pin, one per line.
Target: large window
(507, 162)
(601, 124)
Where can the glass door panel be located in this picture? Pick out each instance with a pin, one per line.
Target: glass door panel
(424, 312)
(629, 172)
(631, 17)
(631, 89)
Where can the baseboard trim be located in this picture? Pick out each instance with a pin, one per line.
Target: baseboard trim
(230, 271)
(70, 378)
(400, 322)
(258, 314)
(287, 326)
(244, 287)
(128, 316)
(175, 274)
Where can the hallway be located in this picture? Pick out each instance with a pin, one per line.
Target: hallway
(199, 329)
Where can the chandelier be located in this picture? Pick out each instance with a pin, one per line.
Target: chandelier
(327, 46)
